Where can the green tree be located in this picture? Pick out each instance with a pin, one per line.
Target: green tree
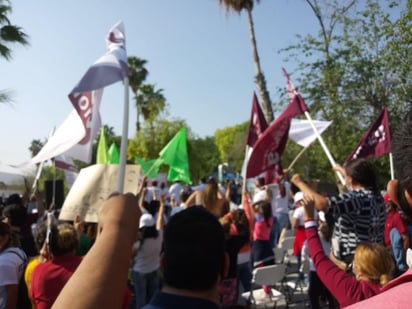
(137, 75)
(247, 5)
(9, 34)
(231, 142)
(203, 153)
(203, 157)
(151, 138)
(346, 71)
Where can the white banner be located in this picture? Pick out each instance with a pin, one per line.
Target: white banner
(93, 186)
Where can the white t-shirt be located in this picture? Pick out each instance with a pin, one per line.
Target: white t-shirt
(152, 193)
(147, 258)
(259, 195)
(11, 270)
(280, 205)
(298, 213)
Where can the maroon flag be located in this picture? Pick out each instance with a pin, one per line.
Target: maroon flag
(270, 146)
(376, 141)
(257, 124)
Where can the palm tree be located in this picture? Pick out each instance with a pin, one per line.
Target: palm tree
(35, 146)
(150, 102)
(137, 75)
(9, 34)
(238, 6)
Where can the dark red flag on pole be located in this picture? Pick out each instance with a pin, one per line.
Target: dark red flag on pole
(257, 124)
(376, 141)
(268, 149)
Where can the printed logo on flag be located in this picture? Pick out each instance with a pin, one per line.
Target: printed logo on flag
(378, 136)
(82, 102)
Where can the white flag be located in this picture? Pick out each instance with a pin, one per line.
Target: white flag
(111, 67)
(66, 164)
(301, 132)
(76, 135)
(85, 97)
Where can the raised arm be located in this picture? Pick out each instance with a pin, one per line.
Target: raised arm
(321, 202)
(100, 280)
(141, 199)
(160, 214)
(191, 201)
(344, 287)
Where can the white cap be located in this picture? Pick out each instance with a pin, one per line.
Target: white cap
(146, 220)
(298, 197)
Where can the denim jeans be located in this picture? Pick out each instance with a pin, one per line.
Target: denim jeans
(244, 274)
(397, 249)
(279, 222)
(145, 286)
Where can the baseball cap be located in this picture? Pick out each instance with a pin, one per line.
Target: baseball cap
(146, 220)
(298, 197)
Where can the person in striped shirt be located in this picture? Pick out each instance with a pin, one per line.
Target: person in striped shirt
(358, 214)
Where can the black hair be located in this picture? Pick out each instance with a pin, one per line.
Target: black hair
(266, 209)
(261, 181)
(4, 231)
(241, 222)
(194, 250)
(16, 213)
(40, 235)
(363, 173)
(402, 163)
(153, 207)
(149, 232)
(184, 194)
(14, 199)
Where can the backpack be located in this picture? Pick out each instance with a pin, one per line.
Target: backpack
(23, 300)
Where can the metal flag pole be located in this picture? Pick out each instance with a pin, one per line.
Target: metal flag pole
(325, 148)
(391, 166)
(123, 145)
(297, 158)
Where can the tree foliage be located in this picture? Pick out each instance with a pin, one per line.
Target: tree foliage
(348, 72)
(231, 142)
(137, 75)
(9, 35)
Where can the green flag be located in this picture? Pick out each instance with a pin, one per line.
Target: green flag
(174, 154)
(102, 153)
(113, 154)
(149, 167)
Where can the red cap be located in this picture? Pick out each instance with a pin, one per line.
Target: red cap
(386, 198)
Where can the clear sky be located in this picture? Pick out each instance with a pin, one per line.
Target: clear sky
(198, 54)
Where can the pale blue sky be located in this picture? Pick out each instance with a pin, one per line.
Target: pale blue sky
(197, 53)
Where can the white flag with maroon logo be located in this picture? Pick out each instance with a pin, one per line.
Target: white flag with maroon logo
(76, 135)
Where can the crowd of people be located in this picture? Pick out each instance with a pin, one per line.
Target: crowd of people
(196, 247)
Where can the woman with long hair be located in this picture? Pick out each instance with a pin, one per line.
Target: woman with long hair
(372, 265)
(12, 263)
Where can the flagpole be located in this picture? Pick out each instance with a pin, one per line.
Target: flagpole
(297, 158)
(325, 148)
(244, 169)
(151, 168)
(123, 145)
(391, 165)
(54, 185)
